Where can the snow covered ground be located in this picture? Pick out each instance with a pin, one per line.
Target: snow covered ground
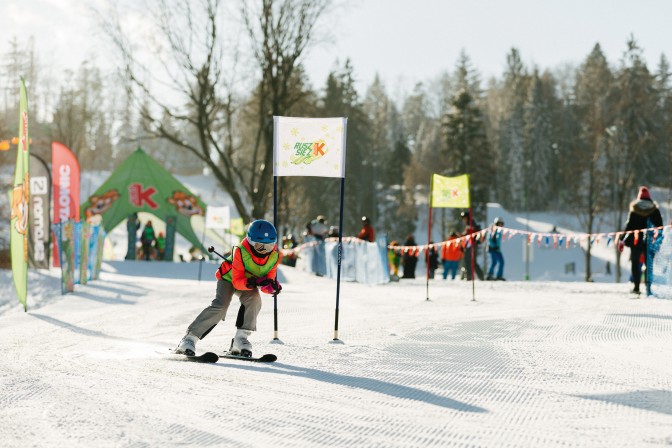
(537, 364)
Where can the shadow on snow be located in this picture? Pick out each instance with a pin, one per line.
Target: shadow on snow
(370, 384)
(650, 400)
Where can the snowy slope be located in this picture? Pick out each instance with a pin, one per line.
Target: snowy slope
(526, 365)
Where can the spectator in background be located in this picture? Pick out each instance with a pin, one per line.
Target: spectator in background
(160, 246)
(410, 259)
(394, 258)
(333, 232)
(147, 240)
(308, 232)
(366, 233)
(318, 227)
(644, 213)
(471, 227)
(451, 254)
(432, 259)
(289, 257)
(495, 250)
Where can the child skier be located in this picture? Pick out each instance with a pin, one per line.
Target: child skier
(251, 265)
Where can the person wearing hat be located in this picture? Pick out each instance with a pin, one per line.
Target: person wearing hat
(495, 250)
(644, 214)
(319, 227)
(366, 233)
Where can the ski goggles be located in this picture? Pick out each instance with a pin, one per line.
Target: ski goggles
(262, 248)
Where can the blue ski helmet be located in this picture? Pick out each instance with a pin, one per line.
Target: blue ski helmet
(262, 236)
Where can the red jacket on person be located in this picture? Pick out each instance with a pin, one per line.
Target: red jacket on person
(367, 233)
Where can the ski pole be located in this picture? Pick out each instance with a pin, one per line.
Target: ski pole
(211, 249)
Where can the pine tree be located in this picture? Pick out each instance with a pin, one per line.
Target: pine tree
(513, 166)
(587, 172)
(468, 149)
(342, 100)
(390, 155)
(663, 85)
(538, 144)
(630, 152)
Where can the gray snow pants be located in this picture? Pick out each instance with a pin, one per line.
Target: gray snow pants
(250, 305)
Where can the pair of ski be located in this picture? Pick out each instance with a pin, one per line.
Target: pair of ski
(210, 357)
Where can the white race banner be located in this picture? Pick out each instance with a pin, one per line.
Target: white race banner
(309, 146)
(217, 218)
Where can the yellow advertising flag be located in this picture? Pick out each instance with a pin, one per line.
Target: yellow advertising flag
(450, 192)
(237, 227)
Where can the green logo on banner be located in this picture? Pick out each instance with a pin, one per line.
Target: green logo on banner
(308, 152)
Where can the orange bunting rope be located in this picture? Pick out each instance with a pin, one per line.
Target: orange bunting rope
(554, 240)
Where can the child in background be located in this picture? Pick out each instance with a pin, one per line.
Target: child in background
(394, 257)
(161, 246)
(451, 254)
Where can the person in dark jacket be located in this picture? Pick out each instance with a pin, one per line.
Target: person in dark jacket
(147, 239)
(471, 227)
(410, 259)
(644, 214)
(432, 257)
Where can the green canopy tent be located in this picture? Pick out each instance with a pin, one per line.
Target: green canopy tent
(141, 184)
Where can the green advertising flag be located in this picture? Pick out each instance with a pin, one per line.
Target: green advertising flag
(20, 200)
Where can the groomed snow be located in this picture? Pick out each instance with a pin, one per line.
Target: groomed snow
(526, 365)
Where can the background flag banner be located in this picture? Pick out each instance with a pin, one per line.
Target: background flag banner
(93, 251)
(450, 192)
(217, 218)
(95, 273)
(65, 179)
(77, 250)
(40, 222)
(65, 176)
(309, 146)
(237, 227)
(85, 239)
(19, 198)
(67, 256)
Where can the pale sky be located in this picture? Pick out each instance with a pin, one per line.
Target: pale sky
(405, 41)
